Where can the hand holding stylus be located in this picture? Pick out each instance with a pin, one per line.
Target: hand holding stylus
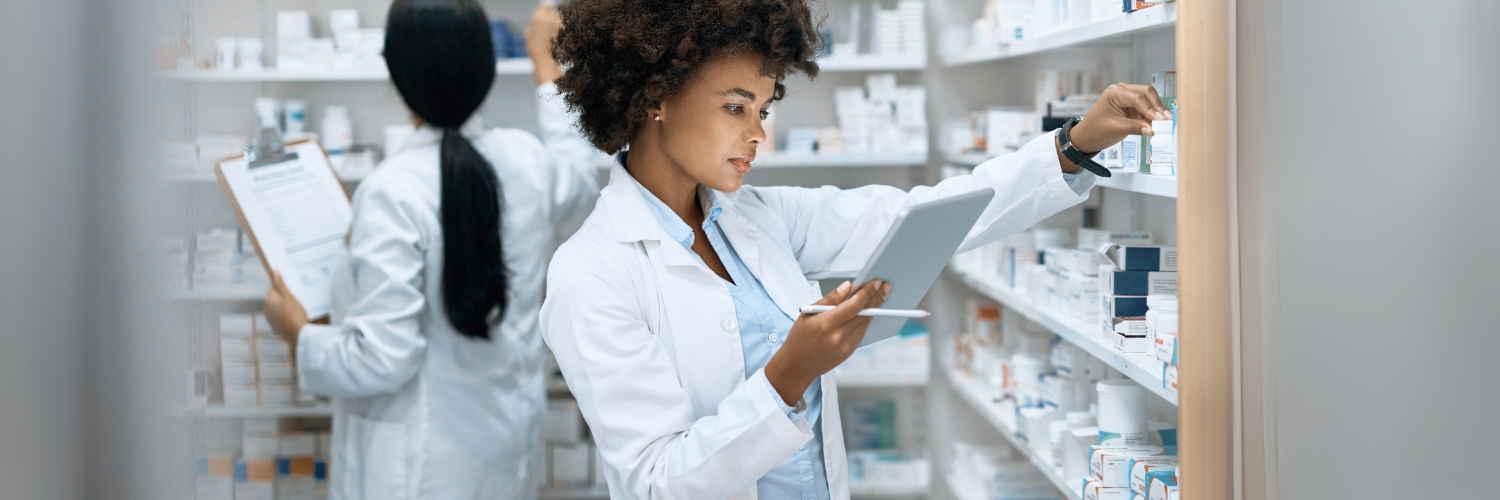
(819, 342)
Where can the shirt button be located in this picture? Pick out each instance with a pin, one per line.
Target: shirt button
(728, 324)
(804, 447)
(773, 338)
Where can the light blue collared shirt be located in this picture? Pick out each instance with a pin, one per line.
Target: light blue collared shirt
(763, 329)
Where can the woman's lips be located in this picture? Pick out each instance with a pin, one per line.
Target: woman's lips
(742, 163)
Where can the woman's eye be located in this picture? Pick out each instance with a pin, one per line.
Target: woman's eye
(735, 108)
(765, 113)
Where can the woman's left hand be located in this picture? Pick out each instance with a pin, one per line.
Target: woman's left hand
(1123, 109)
(283, 311)
(539, 34)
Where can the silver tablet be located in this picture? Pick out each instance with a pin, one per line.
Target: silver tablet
(915, 250)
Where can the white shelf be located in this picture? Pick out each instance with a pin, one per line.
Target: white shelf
(788, 160)
(221, 293)
(207, 176)
(980, 399)
(1164, 16)
(261, 411)
(884, 380)
(1140, 367)
(873, 62)
(514, 66)
(574, 493)
(887, 490)
(1135, 182)
(1157, 185)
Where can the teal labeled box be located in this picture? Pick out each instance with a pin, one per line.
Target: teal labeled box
(1115, 282)
(1144, 258)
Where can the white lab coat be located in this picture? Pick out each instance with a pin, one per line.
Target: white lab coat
(419, 410)
(646, 335)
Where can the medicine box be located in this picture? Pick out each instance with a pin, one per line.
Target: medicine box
(1091, 240)
(1116, 282)
(1139, 467)
(1093, 489)
(1124, 306)
(254, 479)
(1128, 342)
(1085, 262)
(1146, 258)
(1073, 362)
(1169, 378)
(1166, 347)
(1111, 464)
(1128, 325)
(1161, 487)
(215, 478)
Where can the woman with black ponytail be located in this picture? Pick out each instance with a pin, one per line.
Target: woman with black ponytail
(433, 358)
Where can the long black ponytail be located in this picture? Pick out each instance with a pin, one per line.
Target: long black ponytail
(442, 61)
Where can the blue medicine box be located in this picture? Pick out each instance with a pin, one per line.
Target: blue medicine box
(1145, 258)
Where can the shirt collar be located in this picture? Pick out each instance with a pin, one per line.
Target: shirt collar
(670, 222)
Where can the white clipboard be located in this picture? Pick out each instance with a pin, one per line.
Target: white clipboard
(294, 207)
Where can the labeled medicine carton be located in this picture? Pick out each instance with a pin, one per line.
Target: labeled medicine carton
(1115, 282)
(1092, 240)
(1094, 490)
(1140, 467)
(1073, 362)
(1169, 378)
(1145, 258)
(1124, 306)
(1084, 262)
(215, 478)
(255, 479)
(1111, 464)
(1125, 338)
(1166, 347)
(1162, 487)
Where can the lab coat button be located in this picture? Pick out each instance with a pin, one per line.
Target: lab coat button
(773, 338)
(728, 324)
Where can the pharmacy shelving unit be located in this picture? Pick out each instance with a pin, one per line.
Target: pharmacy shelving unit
(1140, 367)
(1135, 182)
(981, 399)
(1129, 47)
(1104, 32)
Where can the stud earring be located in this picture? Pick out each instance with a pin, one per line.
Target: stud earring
(658, 117)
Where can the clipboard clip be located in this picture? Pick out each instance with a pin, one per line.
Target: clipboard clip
(267, 148)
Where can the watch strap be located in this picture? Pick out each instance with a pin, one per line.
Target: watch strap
(1083, 160)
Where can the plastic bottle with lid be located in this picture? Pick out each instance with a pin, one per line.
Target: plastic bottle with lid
(1122, 413)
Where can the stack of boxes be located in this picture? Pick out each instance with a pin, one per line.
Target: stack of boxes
(881, 117)
(349, 47)
(1005, 22)
(901, 31)
(224, 256)
(1127, 472)
(1131, 276)
(256, 365)
(272, 465)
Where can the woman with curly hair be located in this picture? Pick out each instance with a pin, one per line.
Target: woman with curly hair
(673, 311)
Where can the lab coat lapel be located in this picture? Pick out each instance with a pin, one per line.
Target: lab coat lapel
(763, 260)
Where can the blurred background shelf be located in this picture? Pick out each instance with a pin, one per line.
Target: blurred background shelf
(1157, 185)
(1099, 33)
(797, 160)
(220, 293)
(1140, 367)
(884, 380)
(972, 392)
(873, 62)
(261, 411)
(518, 66)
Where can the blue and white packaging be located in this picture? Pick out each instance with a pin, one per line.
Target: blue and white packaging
(1161, 487)
(1115, 282)
(1111, 464)
(1142, 258)
(1093, 489)
(1127, 334)
(1166, 347)
(1093, 239)
(1141, 467)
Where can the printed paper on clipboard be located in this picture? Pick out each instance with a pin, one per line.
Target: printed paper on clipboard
(296, 212)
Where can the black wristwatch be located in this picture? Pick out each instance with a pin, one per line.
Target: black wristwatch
(1082, 159)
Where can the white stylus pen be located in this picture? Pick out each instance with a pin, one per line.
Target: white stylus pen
(899, 313)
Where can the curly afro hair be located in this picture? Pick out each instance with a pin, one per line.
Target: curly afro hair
(625, 56)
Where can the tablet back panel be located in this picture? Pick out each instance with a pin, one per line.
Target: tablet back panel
(915, 250)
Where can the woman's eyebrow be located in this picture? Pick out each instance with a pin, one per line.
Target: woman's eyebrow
(739, 92)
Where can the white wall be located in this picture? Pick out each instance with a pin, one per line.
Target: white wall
(1369, 237)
